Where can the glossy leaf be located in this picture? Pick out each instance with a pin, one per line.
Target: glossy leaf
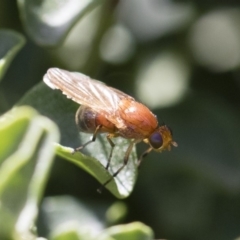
(132, 231)
(10, 43)
(67, 218)
(48, 22)
(26, 158)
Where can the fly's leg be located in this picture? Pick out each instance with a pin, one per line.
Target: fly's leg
(98, 128)
(125, 161)
(112, 147)
(144, 154)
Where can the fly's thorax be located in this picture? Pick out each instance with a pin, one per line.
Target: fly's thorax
(138, 119)
(88, 120)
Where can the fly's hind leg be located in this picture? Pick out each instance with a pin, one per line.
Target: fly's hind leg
(125, 161)
(98, 128)
(109, 136)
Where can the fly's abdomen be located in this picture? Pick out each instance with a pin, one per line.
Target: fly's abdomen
(87, 120)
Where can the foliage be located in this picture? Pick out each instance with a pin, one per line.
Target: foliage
(181, 58)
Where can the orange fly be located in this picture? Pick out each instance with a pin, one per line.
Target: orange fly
(107, 110)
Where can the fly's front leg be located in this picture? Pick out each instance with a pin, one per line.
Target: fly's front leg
(144, 154)
(125, 161)
(98, 128)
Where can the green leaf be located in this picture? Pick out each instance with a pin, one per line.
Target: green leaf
(116, 212)
(62, 111)
(10, 43)
(49, 21)
(25, 160)
(131, 231)
(67, 218)
(69, 231)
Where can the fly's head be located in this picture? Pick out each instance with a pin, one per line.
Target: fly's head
(161, 139)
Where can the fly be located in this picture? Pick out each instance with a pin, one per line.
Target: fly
(107, 110)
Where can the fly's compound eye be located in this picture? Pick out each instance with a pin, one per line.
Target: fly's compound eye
(156, 140)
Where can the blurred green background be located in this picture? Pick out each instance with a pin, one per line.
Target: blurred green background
(181, 59)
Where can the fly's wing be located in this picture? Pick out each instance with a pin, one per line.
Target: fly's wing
(85, 91)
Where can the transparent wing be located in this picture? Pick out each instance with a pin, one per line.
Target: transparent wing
(86, 91)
